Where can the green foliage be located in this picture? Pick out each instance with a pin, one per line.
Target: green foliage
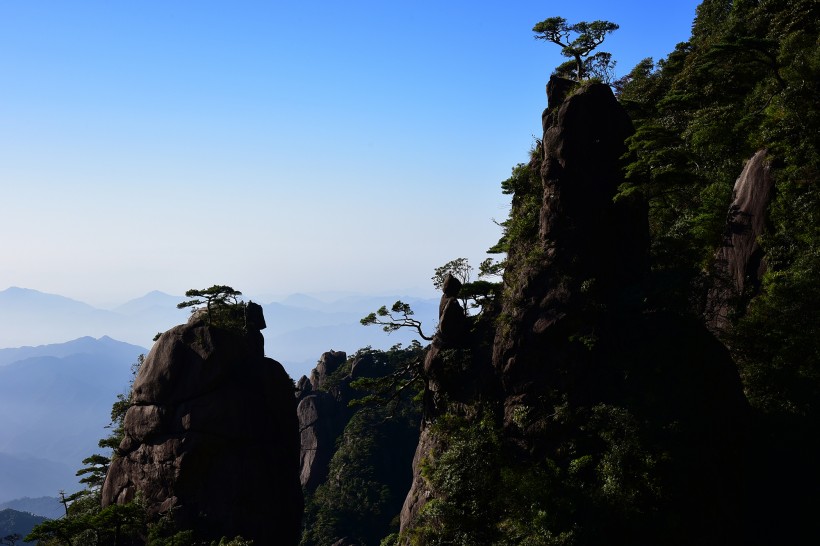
(399, 316)
(11, 539)
(476, 294)
(464, 475)
(778, 341)
(749, 78)
(525, 187)
(367, 480)
(401, 378)
(94, 471)
(87, 524)
(491, 268)
(459, 268)
(236, 541)
(55, 531)
(603, 480)
(577, 41)
(365, 489)
(222, 304)
(746, 80)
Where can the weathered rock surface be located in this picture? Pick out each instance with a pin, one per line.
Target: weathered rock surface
(323, 415)
(212, 438)
(329, 362)
(322, 419)
(591, 250)
(419, 492)
(739, 262)
(450, 386)
(359, 456)
(577, 334)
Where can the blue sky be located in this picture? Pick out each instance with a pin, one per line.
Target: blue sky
(276, 147)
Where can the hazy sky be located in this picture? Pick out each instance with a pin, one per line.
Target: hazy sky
(273, 146)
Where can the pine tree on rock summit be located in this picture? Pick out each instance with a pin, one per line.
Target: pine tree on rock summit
(588, 37)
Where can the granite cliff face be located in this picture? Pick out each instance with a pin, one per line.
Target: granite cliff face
(459, 375)
(739, 262)
(322, 418)
(576, 350)
(590, 253)
(212, 438)
(355, 460)
(578, 337)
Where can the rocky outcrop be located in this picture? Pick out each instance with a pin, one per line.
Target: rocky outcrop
(212, 438)
(739, 262)
(454, 381)
(580, 366)
(355, 460)
(577, 336)
(590, 253)
(324, 412)
(322, 416)
(328, 363)
(321, 420)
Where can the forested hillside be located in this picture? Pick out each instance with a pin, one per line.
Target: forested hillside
(748, 80)
(619, 417)
(647, 371)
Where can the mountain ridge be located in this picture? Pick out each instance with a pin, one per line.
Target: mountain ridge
(317, 326)
(55, 401)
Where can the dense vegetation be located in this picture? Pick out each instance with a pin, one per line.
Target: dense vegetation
(370, 471)
(14, 525)
(747, 80)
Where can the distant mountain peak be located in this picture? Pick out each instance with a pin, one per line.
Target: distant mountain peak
(81, 345)
(18, 295)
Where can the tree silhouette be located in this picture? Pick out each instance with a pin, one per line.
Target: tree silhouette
(588, 36)
(216, 298)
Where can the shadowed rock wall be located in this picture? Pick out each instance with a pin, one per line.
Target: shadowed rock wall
(212, 438)
(577, 333)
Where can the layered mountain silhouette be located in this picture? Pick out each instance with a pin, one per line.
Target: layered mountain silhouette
(56, 395)
(300, 327)
(55, 401)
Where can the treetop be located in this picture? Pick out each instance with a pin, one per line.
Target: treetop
(588, 36)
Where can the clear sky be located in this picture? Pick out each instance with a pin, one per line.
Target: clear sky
(275, 146)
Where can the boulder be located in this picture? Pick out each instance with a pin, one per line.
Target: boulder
(328, 363)
(365, 366)
(303, 387)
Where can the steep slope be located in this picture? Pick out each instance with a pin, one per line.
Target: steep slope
(211, 439)
(355, 460)
(13, 522)
(740, 262)
(605, 420)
